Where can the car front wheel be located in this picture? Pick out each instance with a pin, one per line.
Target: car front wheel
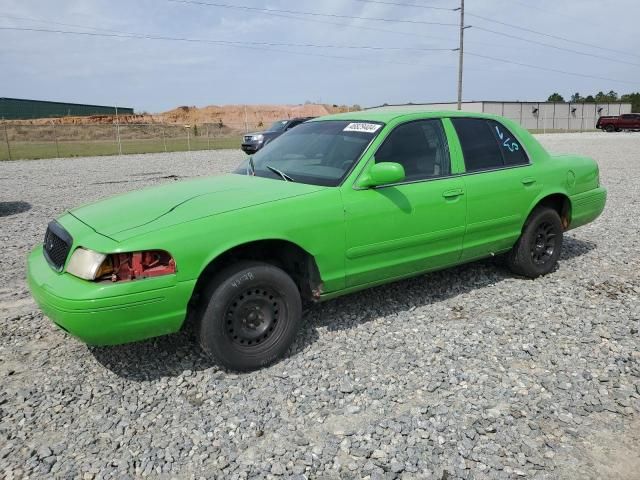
(538, 248)
(251, 316)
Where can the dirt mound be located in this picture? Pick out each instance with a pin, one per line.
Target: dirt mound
(238, 117)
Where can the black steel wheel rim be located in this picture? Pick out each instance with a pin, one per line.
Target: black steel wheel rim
(544, 243)
(252, 317)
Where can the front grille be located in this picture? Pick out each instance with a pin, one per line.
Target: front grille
(56, 246)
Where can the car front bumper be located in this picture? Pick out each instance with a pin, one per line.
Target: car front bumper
(251, 148)
(108, 313)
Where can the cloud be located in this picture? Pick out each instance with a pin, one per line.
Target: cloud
(155, 75)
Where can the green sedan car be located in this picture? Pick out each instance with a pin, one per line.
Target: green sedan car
(338, 204)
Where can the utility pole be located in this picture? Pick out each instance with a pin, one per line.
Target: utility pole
(6, 137)
(461, 52)
(118, 133)
(55, 137)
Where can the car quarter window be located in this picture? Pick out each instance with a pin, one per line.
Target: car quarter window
(487, 144)
(420, 147)
(511, 149)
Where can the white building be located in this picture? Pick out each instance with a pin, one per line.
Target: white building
(537, 116)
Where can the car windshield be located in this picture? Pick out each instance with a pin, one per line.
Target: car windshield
(317, 153)
(277, 126)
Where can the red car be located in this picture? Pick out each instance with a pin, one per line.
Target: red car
(628, 121)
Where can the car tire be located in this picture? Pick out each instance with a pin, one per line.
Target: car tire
(250, 316)
(538, 248)
(609, 128)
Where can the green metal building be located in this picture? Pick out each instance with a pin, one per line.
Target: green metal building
(21, 109)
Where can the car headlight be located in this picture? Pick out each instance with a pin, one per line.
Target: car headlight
(85, 263)
(117, 267)
(257, 138)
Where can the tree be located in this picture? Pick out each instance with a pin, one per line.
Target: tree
(575, 98)
(603, 97)
(634, 99)
(589, 99)
(613, 96)
(555, 97)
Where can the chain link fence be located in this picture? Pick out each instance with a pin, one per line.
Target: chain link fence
(21, 141)
(54, 140)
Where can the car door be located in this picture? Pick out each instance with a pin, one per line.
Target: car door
(416, 225)
(623, 121)
(500, 184)
(628, 121)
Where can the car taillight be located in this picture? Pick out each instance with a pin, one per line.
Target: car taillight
(120, 267)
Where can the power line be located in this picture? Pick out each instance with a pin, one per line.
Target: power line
(369, 28)
(304, 19)
(556, 47)
(315, 14)
(538, 67)
(544, 10)
(427, 7)
(251, 45)
(520, 27)
(556, 37)
(268, 46)
(39, 20)
(143, 36)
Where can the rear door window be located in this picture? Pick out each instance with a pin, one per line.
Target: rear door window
(511, 149)
(479, 146)
(487, 144)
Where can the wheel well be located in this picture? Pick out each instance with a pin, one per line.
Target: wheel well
(297, 262)
(561, 204)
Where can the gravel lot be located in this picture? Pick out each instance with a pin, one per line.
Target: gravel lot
(466, 373)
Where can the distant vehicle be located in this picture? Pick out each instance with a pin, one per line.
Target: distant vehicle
(339, 204)
(628, 121)
(252, 142)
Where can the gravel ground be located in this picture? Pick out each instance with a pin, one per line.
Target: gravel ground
(466, 373)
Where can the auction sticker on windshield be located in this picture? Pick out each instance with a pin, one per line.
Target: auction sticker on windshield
(362, 127)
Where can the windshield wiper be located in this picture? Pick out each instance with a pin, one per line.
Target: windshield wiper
(252, 169)
(285, 177)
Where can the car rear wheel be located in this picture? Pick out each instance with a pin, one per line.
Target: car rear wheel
(538, 248)
(251, 315)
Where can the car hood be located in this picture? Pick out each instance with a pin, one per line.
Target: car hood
(266, 133)
(184, 201)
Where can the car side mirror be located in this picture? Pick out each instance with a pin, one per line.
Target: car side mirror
(382, 173)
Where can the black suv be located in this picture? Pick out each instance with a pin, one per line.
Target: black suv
(252, 142)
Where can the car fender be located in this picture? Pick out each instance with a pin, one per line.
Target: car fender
(223, 248)
(545, 193)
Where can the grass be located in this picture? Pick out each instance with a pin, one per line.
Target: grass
(30, 150)
(37, 150)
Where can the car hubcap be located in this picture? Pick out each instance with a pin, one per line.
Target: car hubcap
(252, 316)
(544, 243)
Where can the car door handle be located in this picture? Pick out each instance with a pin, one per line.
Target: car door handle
(528, 181)
(456, 192)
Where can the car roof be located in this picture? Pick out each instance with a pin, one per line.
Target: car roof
(386, 115)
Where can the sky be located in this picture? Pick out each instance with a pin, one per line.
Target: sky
(158, 75)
